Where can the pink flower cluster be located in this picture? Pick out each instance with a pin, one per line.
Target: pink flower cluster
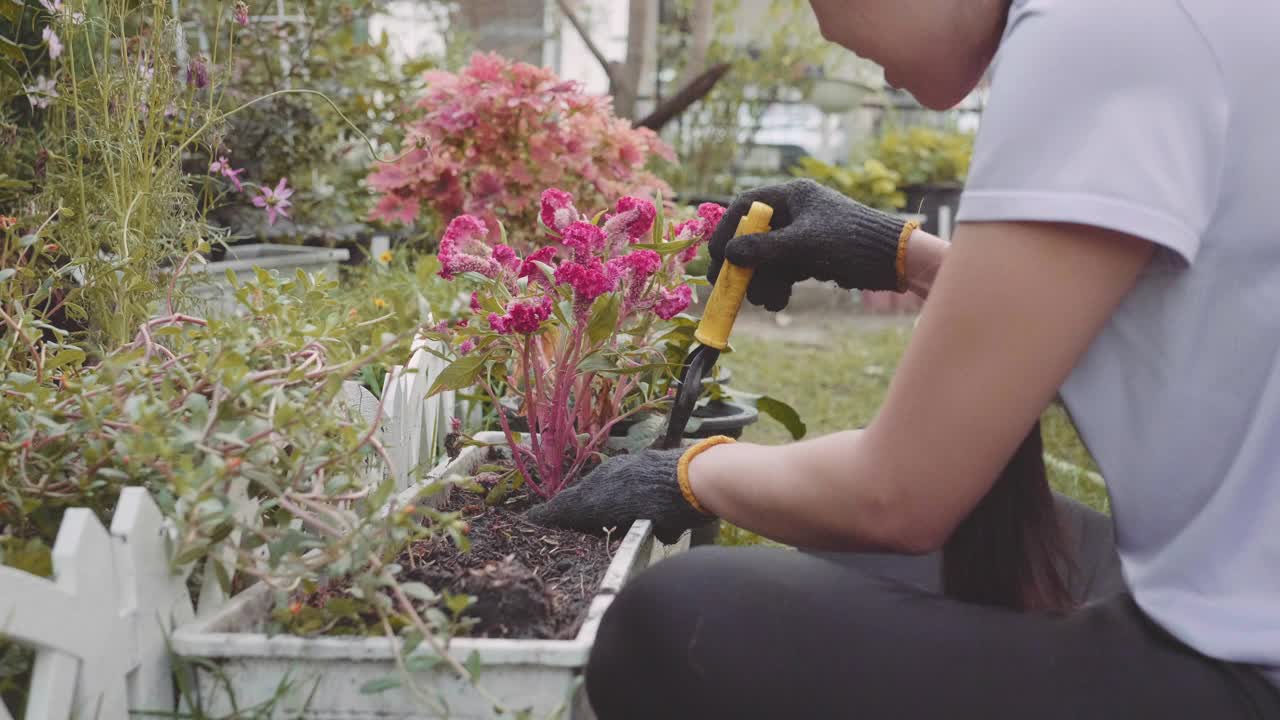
(496, 133)
(542, 315)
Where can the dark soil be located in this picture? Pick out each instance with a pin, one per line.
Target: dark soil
(529, 581)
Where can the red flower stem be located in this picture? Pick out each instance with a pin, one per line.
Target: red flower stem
(511, 441)
(530, 408)
(560, 404)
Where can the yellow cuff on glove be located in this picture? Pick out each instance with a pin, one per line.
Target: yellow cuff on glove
(682, 468)
(901, 264)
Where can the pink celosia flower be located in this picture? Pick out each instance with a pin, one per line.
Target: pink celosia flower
(673, 302)
(638, 267)
(522, 316)
(455, 424)
(222, 167)
(642, 263)
(584, 239)
(475, 303)
(589, 279)
(529, 268)
(55, 45)
(557, 209)
(710, 213)
(506, 257)
(698, 229)
(634, 220)
(275, 201)
(241, 13)
(463, 249)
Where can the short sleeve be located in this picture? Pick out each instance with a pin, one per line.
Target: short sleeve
(1110, 114)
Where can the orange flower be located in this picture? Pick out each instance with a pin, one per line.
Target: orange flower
(7, 221)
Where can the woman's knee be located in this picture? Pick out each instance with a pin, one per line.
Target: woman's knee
(636, 664)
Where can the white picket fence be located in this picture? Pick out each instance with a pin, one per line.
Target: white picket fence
(98, 627)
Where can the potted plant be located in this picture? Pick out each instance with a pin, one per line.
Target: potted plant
(932, 165)
(566, 330)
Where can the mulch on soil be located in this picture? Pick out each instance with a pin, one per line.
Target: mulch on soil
(529, 581)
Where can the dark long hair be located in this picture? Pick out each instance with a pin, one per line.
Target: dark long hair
(1011, 551)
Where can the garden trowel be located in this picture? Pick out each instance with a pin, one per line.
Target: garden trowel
(713, 330)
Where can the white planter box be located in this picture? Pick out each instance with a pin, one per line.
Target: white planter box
(327, 673)
(214, 289)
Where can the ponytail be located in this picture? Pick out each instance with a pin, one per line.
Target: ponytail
(1011, 551)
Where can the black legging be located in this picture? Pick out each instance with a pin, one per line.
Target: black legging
(771, 633)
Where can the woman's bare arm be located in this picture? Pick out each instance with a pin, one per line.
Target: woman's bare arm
(1011, 311)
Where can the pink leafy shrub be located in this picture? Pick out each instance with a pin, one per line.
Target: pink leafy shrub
(571, 329)
(496, 133)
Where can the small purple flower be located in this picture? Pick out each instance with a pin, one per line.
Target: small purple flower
(222, 166)
(241, 13)
(51, 39)
(275, 201)
(467, 346)
(198, 72)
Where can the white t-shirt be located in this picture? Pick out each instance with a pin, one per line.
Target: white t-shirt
(1161, 119)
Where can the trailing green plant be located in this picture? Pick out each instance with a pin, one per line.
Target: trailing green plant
(925, 156)
(397, 292)
(871, 183)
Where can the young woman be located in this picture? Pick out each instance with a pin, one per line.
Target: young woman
(1117, 243)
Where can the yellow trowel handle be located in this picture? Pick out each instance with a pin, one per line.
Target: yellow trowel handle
(731, 285)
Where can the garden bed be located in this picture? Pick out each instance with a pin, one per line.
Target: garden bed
(325, 675)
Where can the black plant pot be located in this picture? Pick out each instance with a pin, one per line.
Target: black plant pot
(929, 199)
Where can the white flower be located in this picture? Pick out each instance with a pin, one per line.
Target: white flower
(53, 6)
(55, 45)
(42, 93)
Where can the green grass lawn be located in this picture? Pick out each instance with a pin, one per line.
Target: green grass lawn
(839, 386)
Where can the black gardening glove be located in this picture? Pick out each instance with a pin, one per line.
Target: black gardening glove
(623, 489)
(817, 233)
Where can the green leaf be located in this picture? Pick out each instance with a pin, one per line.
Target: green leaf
(65, 357)
(771, 406)
(377, 685)
(419, 591)
(19, 378)
(473, 666)
(11, 10)
(462, 373)
(784, 414)
(604, 317)
(422, 663)
(665, 248)
(11, 49)
(412, 640)
(642, 434)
